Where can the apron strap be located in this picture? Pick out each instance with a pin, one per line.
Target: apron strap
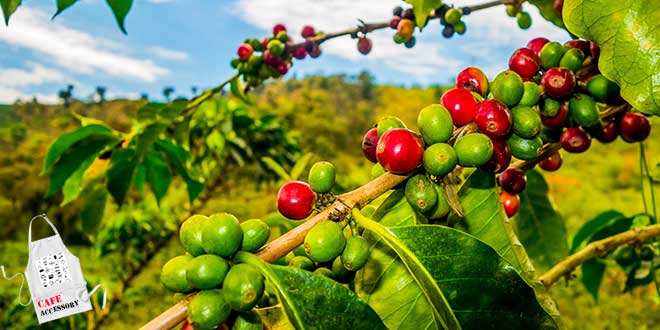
(105, 291)
(20, 291)
(45, 218)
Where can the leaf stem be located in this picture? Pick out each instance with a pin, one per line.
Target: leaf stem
(647, 173)
(642, 176)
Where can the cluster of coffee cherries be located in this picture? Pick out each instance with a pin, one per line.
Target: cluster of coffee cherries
(207, 266)
(329, 248)
(403, 21)
(450, 19)
(523, 18)
(537, 101)
(272, 56)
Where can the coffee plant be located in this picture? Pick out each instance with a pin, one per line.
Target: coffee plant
(429, 242)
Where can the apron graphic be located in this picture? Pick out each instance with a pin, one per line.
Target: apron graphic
(54, 276)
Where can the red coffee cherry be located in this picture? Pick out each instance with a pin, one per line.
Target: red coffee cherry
(552, 162)
(500, 159)
(400, 150)
(474, 79)
(493, 118)
(575, 140)
(558, 82)
(511, 203)
(524, 62)
(610, 132)
(462, 105)
(307, 31)
(364, 45)
(513, 180)
(634, 127)
(295, 200)
(244, 52)
(369, 144)
(537, 44)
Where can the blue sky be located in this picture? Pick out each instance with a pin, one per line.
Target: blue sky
(183, 43)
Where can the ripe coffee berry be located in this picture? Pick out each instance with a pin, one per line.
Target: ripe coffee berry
(552, 162)
(307, 31)
(394, 22)
(244, 52)
(400, 150)
(282, 68)
(558, 82)
(295, 200)
(609, 134)
(512, 180)
(575, 140)
(315, 53)
(634, 127)
(278, 28)
(493, 118)
(364, 45)
(473, 79)
(524, 62)
(461, 105)
(299, 53)
(558, 120)
(537, 44)
(511, 203)
(369, 144)
(500, 159)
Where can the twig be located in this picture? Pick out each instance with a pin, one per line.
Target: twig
(597, 249)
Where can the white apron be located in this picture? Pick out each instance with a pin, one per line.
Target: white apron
(57, 286)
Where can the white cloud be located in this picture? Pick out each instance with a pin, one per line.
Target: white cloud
(169, 54)
(37, 74)
(77, 51)
(491, 35)
(10, 95)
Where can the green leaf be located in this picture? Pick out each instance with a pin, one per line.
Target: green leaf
(147, 137)
(480, 286)
(422, 10)
(547, 10)
(485, 219)
(62, 5)
(592, 226)
(74, 184)
(158, 174)
(275, 167)
(140, 178)
(76, 156)
(149, 111)
(640, 274)
(8, 8)
(300, 165)
(178, 157)
(94, 207)
(592, 276)
(629, 39)
(539, 227)
(65, 141)
(396, 211)
(237, 89)
(313, 301)
(273, 318)
(123, 165)
(423, 293)
(120, 9)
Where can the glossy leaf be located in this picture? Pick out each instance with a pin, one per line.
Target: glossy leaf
(178, 157)
(422, 9)
(483, 290)
(539, 227)
(73, 185)
(237, 90)
(157, 174)
(62, 5)
(313, 301)
(396, 211)
(93, 207)
(274, 318)
(123, 165)
(147, 137)
(8, 8)
(592, 226)
(592, 276)
(275, 167)
(81, 153)
(411, 297)
(629, 41)
(120, 9)
(485, 219)
(547, 10)
(65, 141)
(140, 178)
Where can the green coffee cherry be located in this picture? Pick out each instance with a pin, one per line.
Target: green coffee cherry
(582, 109)
(206, 271)
(531, 94)
(600, 87)
(302, 262)
(355, 254)
(208, 309)
(441, 208)
(243, 287)
(222, 234)
(526, 122)
(440, 159)
(235, 62)
(420, 193)
(508, 88)
(275, 47)
(173, 274)
(322, 177)
(550, 107)
(572, 59)
(282, 36)
(190, 234)
(525, 149)
(398, 39)
(435, 124)
(473, 150)
(551, 54)
(388, 122)
(325, 272)
(460, 28)
(339, 272)
(255, 234)
(524, 20)
(324, 242)
(511, 10)
(453, 16)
